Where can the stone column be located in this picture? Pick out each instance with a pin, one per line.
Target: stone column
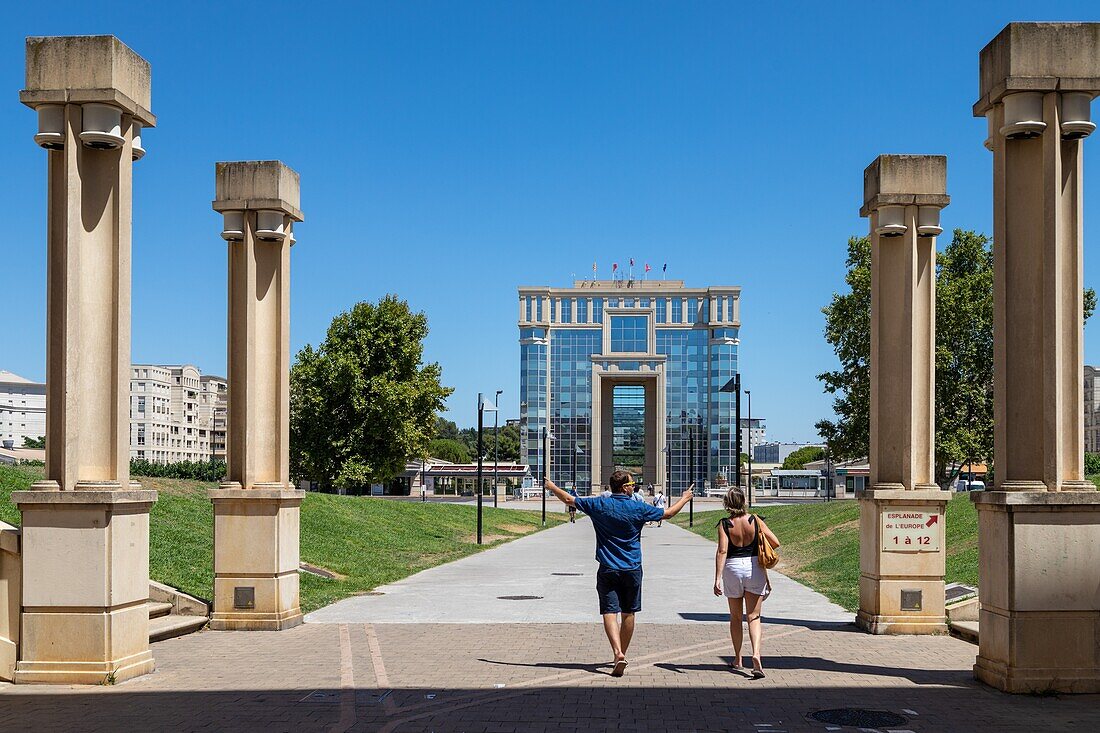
(86, 525)
(256, 508)
(1039, 531)
(901, 514)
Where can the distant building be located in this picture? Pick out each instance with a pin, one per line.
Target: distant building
(176, 414)
(777, 452)
(22, 410)
(1092, 409)
(844, 478)
(627, 374)
(752, 435)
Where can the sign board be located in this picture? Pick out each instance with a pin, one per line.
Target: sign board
(910, 529)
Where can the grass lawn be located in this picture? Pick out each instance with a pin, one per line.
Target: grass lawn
(820, 543)
(366, 542)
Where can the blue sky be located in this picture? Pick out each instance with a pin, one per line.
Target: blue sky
(450, 152)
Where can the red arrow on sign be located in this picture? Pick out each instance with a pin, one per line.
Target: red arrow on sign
(932, 520)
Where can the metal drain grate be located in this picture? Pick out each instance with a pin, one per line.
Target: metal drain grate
(857, 718)
(574, 575)
(519, 598)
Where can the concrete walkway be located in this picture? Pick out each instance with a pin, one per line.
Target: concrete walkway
(558, 568)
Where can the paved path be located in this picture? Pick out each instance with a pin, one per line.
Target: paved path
(377, 665)
(558, 568)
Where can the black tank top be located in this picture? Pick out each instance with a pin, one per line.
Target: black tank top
(748, 550)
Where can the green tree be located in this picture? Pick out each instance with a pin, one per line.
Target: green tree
(363, 402)
(848, 329)
(964, 353)
(468, 438)
(448, 449)
(798, 459)
(39, 442)
(445, 428)
(508, 443)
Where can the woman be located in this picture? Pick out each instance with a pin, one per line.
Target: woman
(738, 574)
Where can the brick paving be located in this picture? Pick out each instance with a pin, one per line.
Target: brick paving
(539, 677)
(545, 669)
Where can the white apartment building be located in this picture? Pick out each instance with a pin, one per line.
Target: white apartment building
(753, 434)
(1092, 409)
(176, 414)
(22, 409)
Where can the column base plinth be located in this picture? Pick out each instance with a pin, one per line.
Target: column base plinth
(85, 555)
(1040, 614)
(901, 625)
(84, 673)
(256, 535)
(901, 588)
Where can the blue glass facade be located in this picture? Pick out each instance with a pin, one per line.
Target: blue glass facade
(689, 340)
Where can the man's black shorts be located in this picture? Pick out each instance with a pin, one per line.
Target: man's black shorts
(620, 591)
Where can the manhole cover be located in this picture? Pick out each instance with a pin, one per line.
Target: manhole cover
(569, 574)
(519, 598)
(857, 718)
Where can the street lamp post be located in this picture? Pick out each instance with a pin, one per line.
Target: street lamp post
(748, 397)
(734, 386)
(496, 448)
(691, 470)
(546, 436)
(576, 454)
(668, 469)
(483, 405)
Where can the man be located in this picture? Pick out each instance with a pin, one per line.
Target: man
(638, 495)
(618, 521)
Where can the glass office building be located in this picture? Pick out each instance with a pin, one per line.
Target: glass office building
(626, 374)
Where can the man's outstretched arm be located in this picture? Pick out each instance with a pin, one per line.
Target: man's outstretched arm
(564, 496)
(673, 510)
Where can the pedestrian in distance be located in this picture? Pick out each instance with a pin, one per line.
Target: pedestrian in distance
(618, 522)
(660, 501)
(638, 495)
(739, 576)
(573, 507)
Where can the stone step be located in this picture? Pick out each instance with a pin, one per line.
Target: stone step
(965, 630)
(167, 627)
(156, 610)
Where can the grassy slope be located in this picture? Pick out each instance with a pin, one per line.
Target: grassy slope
(820, 544)
(370, 542)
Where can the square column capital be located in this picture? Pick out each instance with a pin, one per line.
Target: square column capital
(1039, 57)
(257, 185)
(903, 180)
(79, 69)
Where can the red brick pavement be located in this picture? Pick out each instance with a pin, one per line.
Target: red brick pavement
(538, 677)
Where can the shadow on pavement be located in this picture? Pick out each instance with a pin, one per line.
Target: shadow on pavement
(917, 676)
(768, 621)
(604, 668)
(729, 703)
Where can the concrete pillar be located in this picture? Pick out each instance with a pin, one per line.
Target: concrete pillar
(901, 514)
(256, 508)
(86, 525)
(1039, 531)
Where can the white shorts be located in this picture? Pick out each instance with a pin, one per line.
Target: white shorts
(742, 574)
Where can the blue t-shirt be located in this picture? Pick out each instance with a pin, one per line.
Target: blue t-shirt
(618, 521)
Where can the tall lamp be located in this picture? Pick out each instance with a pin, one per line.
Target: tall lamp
(546, 437)
(734, 385)
(496, 447)
(483, 406)
(748, 399)
(691, 469)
